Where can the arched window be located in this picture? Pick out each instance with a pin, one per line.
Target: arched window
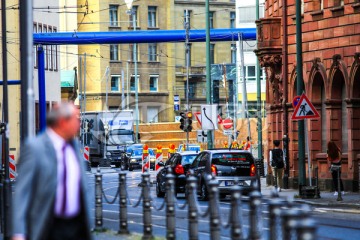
(344, 123)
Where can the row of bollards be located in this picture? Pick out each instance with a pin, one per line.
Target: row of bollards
(287, 220)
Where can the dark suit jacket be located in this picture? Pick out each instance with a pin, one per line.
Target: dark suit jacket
(35, 190)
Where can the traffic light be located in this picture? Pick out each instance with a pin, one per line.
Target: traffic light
(182, 121)
(189, 122)
(86, 125)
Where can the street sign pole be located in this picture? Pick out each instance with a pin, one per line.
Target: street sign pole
(300, 89)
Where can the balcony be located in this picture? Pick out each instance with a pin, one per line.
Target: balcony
(194, 71)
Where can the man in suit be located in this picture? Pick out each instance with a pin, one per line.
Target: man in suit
(50, 199)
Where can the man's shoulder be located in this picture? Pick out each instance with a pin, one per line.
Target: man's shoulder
(36, 141)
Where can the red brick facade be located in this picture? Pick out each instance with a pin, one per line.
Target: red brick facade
(331, 72)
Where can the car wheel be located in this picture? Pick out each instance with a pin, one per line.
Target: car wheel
(203, 193)
(159, 193)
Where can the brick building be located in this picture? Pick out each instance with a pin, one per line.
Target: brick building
(331, 74)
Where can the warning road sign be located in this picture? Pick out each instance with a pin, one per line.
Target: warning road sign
(304, 109)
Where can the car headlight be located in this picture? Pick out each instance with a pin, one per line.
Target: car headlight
(152, 159)
(133, 160)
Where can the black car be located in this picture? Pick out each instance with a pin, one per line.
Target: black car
(179, 164)
(227, 166)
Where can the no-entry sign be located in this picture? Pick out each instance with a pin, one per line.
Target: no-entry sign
(228, 123)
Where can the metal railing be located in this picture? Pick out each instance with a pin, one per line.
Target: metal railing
(287, 220)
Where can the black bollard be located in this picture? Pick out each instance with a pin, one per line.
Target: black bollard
(98, 201)
(192, 213)
(170, 206)
(214, 209)
(146, 206)
(236, 228)
(123, 228)
(255, 214)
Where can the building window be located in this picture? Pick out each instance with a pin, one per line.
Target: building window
(344, 119)
(250, 73)
(50, 52)
(35, 47)
(115, 83)
(247, 14)
(154, 83)
(189, 17)
(211, 19)
(192, 89)
(152, 17)
(113, 16)
(55, 54)
(134, 14)
(233, 53)
(232, 19)
(132, 83)
(114, 52)
(46, 57)
(131, 52)
(152, 52)
(212, 53)
(249, 46)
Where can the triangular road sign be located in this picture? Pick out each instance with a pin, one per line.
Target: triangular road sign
(304, 109)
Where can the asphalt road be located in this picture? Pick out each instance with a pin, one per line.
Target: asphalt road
(331, 225)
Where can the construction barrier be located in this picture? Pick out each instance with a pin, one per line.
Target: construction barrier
(87, 158)
(171, 150)
(145, 159)
(12, 167)
(226, 144)
(159, 158)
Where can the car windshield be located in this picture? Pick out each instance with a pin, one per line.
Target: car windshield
(230, 159)
(187, 159)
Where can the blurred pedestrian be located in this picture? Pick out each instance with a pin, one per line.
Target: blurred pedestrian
(278, 164)
(50, 199)
(247, 145)
(334, 159)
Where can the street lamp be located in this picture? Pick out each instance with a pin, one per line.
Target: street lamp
(133, 13)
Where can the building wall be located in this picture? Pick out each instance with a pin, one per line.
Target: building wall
(98, 19)
(330, 43)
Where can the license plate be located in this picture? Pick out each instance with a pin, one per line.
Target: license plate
(229, 183)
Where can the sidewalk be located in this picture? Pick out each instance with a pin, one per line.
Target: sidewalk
(350, 202)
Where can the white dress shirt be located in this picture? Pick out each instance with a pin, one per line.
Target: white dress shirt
(72, 177)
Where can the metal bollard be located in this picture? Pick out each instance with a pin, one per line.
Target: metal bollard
(339, 198)
(255, 214)
(215, 226)
(123, 228)
(146, 206)
(236, 229)
(192, 213)
(170, 206)
(317, 190)
(289, 222)
(306, 229)
(98, 201)
(274, 221)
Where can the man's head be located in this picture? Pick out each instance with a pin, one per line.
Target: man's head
(276, 143)
(64, 120)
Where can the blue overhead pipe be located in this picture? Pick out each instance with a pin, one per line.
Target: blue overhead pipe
(12, 82)
(152, 36)
(42, 89)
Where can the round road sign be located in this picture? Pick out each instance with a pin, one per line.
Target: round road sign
(227, 123)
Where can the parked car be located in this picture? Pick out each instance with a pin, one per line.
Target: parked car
(179, 164)
(191, 147)
(227, 166)
(136, 152)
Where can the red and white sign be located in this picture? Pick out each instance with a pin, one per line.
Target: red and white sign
(12, 167)
(295, 101)
(304, 109)
(228, 123)
(198, 118)
(86, 153)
